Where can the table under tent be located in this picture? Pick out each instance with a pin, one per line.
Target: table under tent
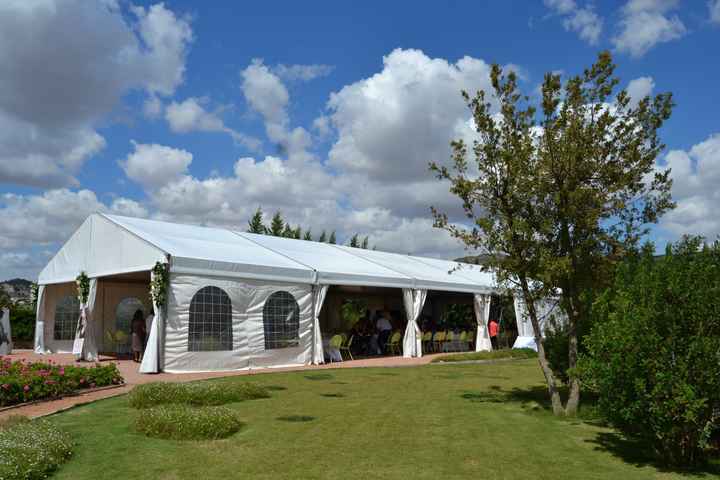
(234, 300)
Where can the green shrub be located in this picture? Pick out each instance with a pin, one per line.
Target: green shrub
(654, 355)
(184, 422)
(196, 393)
(31, 449)
(22, 322)
(517, 353)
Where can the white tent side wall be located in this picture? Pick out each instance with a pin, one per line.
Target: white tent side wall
(247, 298)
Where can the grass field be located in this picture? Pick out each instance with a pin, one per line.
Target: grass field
(446, 421)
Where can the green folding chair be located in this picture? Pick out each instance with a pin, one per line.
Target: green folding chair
(345, 347)
(449, 339)
(463, 340)
(438, 340)
(393, 345)
(336, 343)
(427, 341)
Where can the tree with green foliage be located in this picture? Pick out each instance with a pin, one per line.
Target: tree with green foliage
(277, 225)
(256, 223)
(653, 356)
(560, 193)
(323, 237)
(332, 238)
(297, 233)
(365, 242)
(354, 241)
(308, 235)
(288, 231)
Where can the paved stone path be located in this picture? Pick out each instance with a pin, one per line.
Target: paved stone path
(129, 371)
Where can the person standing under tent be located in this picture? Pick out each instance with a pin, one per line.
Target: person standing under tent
(384, 328)
(138, 332)
(493, 328)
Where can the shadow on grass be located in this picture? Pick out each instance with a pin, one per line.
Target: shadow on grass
(535, 399)
(319, 376)
(640, 454)
(275, 388)
(296, 418)
(332, 395)
(388, 374)
(534, 395)
(339, 383)
(632, 451)
(483, 397)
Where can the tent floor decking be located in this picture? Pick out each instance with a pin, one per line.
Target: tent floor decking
(129, 371)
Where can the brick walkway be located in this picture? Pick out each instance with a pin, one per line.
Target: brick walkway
(129, 371)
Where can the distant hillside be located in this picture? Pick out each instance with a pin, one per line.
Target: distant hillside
(18, 289)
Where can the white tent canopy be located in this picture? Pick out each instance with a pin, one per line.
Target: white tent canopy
(111, 244)
(248, 269)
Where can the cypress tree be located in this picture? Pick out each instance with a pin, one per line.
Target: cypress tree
(255, 224)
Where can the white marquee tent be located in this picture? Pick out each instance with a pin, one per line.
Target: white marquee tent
(235, 300)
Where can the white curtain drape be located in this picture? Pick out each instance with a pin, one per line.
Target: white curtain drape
(88, 328)
(40, 321)
(523, 320)
(151, 362)
(318, 356)
(481, 303)
(413, 299)
(545, 308)
(5, 334)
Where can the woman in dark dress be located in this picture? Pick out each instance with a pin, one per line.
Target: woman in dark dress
(138, 331)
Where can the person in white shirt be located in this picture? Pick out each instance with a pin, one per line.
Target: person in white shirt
(384, 328)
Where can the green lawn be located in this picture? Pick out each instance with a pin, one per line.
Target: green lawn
(436, 422)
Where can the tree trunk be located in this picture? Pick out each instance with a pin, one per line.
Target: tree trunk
(542, 359)
(574, 395)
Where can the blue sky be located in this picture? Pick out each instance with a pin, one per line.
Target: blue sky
(202, 111)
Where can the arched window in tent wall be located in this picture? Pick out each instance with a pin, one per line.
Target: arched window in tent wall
(281, 321)
(67, 312)
(210, 326)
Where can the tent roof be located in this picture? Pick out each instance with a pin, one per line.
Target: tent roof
(110, 244)
(332, 265)
(211, 251)
(429, 273)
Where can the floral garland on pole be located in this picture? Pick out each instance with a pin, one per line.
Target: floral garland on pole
(83, 285)
(158, 285)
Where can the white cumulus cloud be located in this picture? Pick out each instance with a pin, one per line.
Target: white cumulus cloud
(640, 88)
(714, 6)
(646, 23)
(190, 115)
(303, 73)
(696, 176)
(581, 20)
(90, 55)
(153, 165)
